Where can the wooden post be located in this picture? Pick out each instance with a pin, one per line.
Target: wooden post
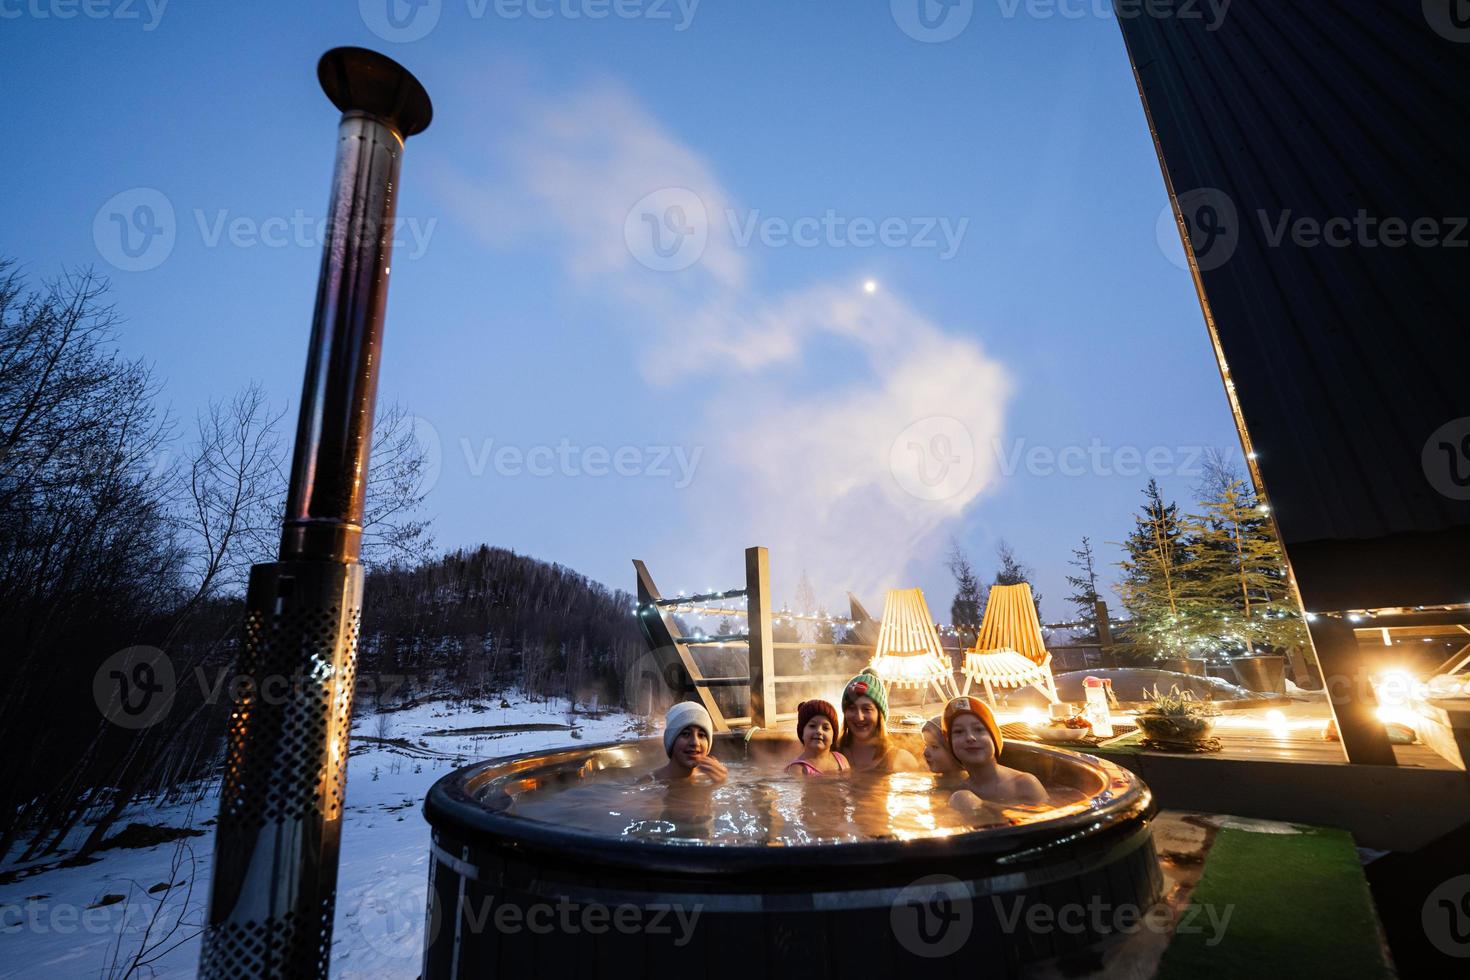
(657, 630)
(1105, 634)
(762, 651)
(1345, 672)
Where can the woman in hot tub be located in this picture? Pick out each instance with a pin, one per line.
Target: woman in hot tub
(865, 739)
(973, 737)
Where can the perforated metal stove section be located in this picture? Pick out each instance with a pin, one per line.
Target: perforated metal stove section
(294, 688)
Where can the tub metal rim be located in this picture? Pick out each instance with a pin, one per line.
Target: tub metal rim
(764, 899)
(453, 807)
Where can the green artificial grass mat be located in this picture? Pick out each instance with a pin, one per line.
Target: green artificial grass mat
(1299, 907)
(1130, 744)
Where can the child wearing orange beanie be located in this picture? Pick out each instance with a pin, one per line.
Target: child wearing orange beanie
(816, 726)
(974, 739)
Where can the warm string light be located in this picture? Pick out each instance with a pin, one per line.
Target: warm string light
(784, 616)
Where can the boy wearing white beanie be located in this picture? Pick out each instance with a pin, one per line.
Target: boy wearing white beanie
(688, 732)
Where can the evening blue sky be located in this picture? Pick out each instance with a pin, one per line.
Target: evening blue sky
(760, 395)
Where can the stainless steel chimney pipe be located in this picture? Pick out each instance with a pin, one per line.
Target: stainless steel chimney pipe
(274, 881)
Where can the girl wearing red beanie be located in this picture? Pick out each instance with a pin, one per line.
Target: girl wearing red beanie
(816, 726)
(974, 738)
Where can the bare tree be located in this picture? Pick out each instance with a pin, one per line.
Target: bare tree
(576, 671)
(173, 921)
(395, 529)
(1220, 472)
(235, 499)
(231, 510)
(86, 552)
(111, 537)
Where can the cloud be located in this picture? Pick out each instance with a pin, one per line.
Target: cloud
(851, 477)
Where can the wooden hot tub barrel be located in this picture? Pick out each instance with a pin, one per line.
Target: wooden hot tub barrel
(516, 898)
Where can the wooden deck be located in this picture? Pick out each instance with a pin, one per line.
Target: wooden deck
(1278, 767)
(1289, 733)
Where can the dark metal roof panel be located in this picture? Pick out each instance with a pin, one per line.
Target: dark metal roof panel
(1346, 356)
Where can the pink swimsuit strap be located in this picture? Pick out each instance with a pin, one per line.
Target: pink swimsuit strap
(842, 764)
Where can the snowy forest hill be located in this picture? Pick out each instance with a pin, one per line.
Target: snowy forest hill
(472, 628)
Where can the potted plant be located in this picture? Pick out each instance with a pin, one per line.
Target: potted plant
(1175, 665)
(1261, 674)
(1175, 717)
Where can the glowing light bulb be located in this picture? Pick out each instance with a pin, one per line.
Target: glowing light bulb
(1395, 688)
(1276, 721)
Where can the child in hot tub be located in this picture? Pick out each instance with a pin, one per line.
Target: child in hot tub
(973, 738)
(816, 726)
(865, 739)
(688, 732)
(937, 755)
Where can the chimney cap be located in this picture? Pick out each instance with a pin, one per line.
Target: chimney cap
(359, 80)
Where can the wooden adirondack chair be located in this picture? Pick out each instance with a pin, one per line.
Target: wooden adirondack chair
(909, 654)
(1009, 652)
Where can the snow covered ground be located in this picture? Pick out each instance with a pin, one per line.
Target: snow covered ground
(54, 924)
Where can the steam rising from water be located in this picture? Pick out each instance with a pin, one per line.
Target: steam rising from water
(841, 427)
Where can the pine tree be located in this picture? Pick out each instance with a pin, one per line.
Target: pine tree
(1085, 597)
(1013, 571)
(1239, 572)
(806, 629)
(1164, 616)
(968, 607)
